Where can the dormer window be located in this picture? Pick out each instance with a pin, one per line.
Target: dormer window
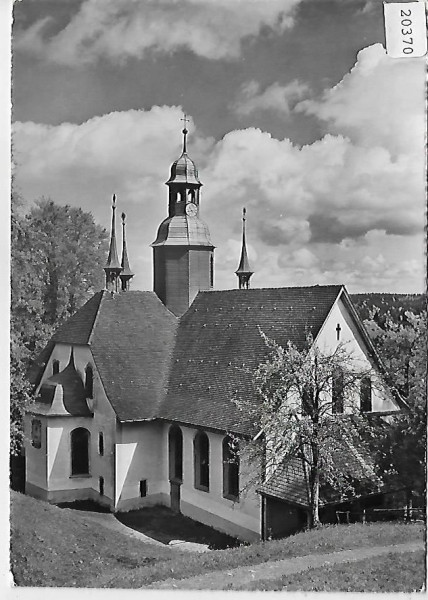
(89, 381)
(55, 367)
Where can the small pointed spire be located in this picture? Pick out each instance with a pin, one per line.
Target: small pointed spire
(244, 271)
(126, 274)
(113, 267)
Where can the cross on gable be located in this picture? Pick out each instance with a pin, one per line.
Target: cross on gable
(338, 330)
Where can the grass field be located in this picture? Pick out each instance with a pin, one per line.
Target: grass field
(62, 547)
(391, 573)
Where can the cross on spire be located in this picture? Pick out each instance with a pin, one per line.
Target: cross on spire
(185, 132)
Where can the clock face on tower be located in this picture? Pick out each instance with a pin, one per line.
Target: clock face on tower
(191, 209)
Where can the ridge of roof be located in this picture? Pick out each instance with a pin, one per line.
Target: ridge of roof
(254, 290)
(78, 328)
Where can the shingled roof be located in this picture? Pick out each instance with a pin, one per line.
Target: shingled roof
(154, 365)
(218, 345)
(132, 343)
(131, 336)
(290, 481)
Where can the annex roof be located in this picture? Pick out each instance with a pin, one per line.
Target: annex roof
(289, 482)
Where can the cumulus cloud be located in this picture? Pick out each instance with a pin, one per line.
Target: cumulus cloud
(347, 208)
(123, 29)
(276, 97)
(377, 104)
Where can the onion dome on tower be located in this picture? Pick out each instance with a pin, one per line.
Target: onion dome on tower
(183, 253)
(244, 271)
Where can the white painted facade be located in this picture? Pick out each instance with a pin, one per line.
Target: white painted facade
(355, 346)
(48, 469)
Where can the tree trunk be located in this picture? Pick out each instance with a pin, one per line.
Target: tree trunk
(314, 520)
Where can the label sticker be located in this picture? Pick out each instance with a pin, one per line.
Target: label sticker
(405, 29)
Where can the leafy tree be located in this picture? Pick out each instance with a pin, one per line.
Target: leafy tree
(57, 254)
(403, 347)
(301, 396)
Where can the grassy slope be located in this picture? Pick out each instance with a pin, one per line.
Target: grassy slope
(59, 547)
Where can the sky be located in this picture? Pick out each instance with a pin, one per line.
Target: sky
(296, 112)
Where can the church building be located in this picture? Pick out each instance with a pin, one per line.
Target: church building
(134, 393)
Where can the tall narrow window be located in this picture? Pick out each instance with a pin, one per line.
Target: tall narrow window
(143, 488)
(211, 270)
(101, 484)
(201, 449)
(230, 470)
(101, 444)
(55, 367)
(337, 392)
(89, 381)
(80, 451)
(366, 394)
(175, 444)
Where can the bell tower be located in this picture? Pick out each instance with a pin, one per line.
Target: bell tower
(183, 254)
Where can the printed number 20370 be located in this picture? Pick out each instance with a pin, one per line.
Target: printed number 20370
(406, 24)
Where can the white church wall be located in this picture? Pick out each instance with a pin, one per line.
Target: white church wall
(240, 519)
(35, 458)
(104, 422)
(140, 457)
(354, 343)
(51, 471)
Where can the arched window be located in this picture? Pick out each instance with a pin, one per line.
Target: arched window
(89, 381)
(230, 470)
(337, 392)
(80, 451)
(201, 452)
(175, 447)
(366, 394)
(55, 367)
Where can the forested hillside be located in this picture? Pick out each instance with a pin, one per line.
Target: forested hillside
(377, 306)
(397, 325)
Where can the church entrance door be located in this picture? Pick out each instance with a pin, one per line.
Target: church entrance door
(175, 496)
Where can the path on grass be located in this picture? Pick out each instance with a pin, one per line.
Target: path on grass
(239, 577)
(109, 520)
